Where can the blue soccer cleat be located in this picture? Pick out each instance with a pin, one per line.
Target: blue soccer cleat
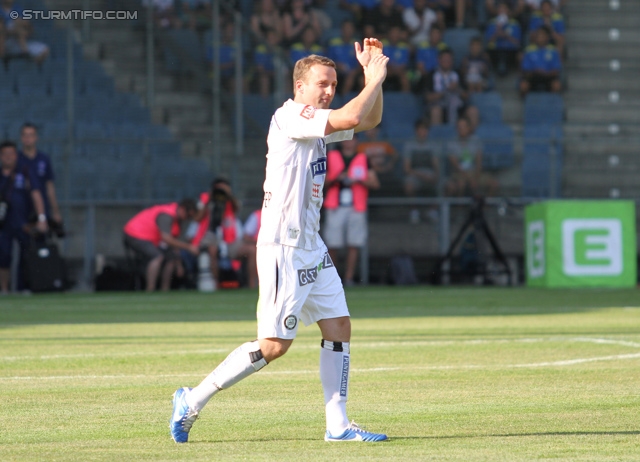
(183, 417)
(355, 433)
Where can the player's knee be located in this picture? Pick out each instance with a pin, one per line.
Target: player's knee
(274, 348)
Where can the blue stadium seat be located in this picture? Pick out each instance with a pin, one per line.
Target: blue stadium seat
(13, 130)
(543, 108)
(168, 179)
(538, 140)
(401, 110)
(497, 141)
(160, 132)
(444, 132)
(536, 178)
(90, 131)
(489, 106)
(55, 131)
(83, 178)
(440, 135)
(127, 131)
(258, 111)
(130, 149)
(98, 150)
(32, 90)
(165, 150)
(458, 40)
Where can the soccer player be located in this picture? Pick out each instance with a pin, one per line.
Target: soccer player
(297, 279)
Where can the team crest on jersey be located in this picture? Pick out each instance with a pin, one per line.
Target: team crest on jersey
(290, 322)
(308, 112)
(19, 181)
(316, 191)
(319, 167)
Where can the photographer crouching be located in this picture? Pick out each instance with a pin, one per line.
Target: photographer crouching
(220, 233)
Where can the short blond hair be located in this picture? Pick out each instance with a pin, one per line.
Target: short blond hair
(304, 64)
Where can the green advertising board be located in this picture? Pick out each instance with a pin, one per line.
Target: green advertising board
(581, 244)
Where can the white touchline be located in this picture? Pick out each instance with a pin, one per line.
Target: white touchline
(567, 362)
(360, 345)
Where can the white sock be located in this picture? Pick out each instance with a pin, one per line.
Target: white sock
(334, 375)
(241, 363)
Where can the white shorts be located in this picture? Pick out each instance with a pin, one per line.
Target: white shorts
(296, 285)
(345, 227)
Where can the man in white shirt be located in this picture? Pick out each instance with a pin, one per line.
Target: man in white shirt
(297, 279)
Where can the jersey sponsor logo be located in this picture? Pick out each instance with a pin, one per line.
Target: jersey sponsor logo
(319, 167)
(290, 322)
(317, 190)
(309, 275)
(308, 112)
(344, 377)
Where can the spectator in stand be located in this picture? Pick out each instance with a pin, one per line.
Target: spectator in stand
(19, 196)
(307, 46)
(263, 61)
(349, 179)
(446, 97)
(541, 65)
(418, 20)
(267, 21)
(533, 5)
(358, 9)
(318, 8)
(153, 235)
(517, 8)
(378, 21)
(164, 13)
(381, 154)
(426, 57)
(475, 67)
(546, 16)
(342, 51)
(465, 161)
(503, 37)
(421, 166)
(196, 14)
(299, 18)
(398, 66)
(450, 12)
(250, 239)
(15, 32)
(40, 169)
(228, 51)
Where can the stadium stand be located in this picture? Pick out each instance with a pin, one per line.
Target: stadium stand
(105, 121)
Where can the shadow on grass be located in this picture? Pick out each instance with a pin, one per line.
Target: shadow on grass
(364, 302)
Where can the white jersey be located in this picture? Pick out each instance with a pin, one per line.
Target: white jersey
(295, 174)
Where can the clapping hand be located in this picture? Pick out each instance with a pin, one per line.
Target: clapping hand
(370, 48)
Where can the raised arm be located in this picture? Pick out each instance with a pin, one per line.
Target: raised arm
(365, 110)
(373, 47)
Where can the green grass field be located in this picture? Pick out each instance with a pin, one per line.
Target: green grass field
(461, 374)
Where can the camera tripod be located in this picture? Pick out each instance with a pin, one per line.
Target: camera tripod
(474, 222)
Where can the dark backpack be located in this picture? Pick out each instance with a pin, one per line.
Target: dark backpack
(402, 271)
